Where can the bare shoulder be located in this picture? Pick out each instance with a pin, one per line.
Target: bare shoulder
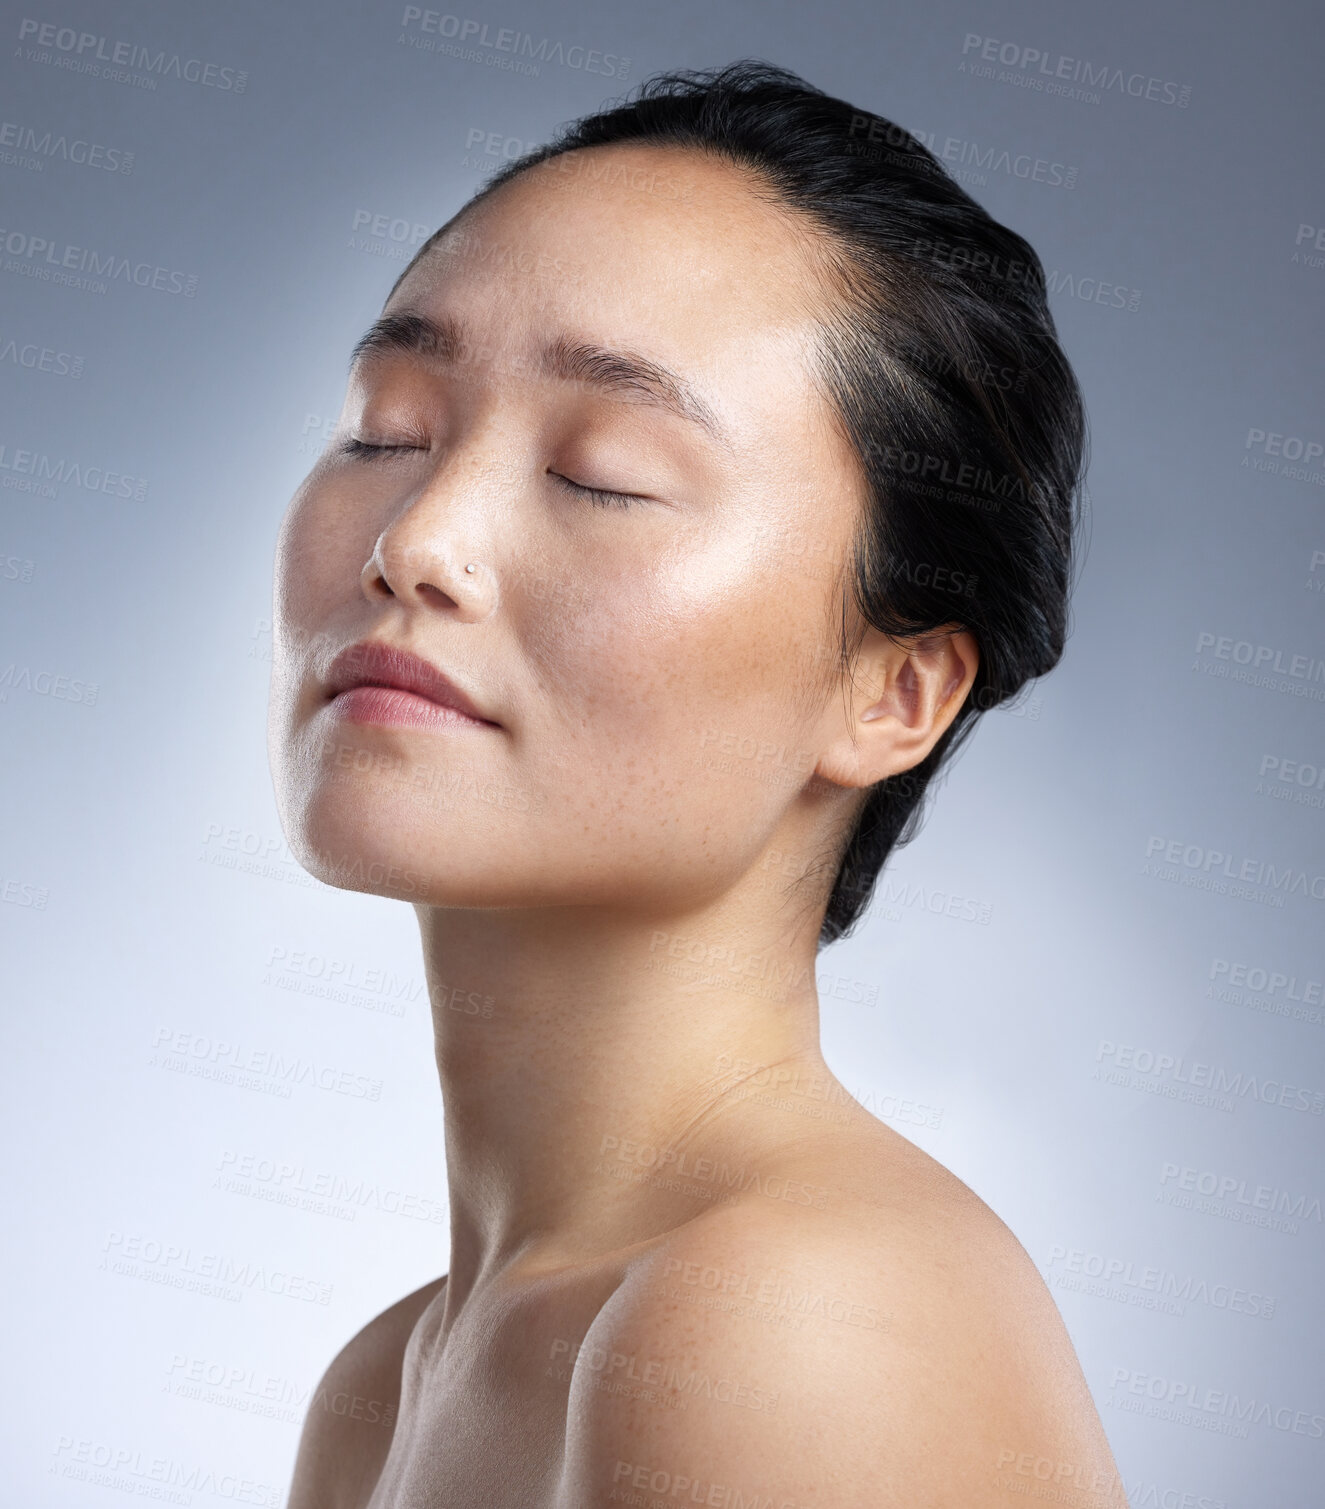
(889, 1345)
(352, 1414)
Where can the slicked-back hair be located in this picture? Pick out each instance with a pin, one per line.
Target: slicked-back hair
(942, 362)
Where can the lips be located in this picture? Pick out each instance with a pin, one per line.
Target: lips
(370, 663)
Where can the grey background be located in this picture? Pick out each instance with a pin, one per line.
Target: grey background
(147, 890)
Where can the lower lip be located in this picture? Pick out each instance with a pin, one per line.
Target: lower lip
(400, 709)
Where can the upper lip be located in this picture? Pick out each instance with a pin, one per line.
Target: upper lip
(371, 663)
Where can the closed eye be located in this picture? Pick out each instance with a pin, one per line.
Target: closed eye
(362, 449)
(600, 497)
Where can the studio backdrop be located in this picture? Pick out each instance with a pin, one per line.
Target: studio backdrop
(1092, 984)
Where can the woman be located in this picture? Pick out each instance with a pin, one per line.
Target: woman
(703, 480)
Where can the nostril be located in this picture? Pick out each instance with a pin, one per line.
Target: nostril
(373, 582)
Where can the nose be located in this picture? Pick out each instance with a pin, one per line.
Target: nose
(420, 560)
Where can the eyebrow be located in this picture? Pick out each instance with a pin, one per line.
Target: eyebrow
(625, 374)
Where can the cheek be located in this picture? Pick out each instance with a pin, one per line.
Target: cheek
(324, 544)
(687, 680)
(316, 583)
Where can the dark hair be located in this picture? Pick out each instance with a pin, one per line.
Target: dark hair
(944, 366)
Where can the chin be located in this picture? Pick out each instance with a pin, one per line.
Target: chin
(358, 832)
(359, 836)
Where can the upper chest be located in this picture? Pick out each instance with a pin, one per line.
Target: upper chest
(483, 1402)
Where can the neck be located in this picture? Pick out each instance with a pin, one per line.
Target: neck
(578, 1052)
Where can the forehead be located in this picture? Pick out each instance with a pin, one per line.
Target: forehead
(662, 250)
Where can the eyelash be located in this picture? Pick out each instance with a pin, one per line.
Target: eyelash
(362, 449)
(601, 497)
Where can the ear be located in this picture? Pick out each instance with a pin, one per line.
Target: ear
(903, 696)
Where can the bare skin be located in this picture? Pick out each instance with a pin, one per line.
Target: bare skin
(683, 1262)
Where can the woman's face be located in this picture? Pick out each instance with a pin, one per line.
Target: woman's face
(658, 669)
